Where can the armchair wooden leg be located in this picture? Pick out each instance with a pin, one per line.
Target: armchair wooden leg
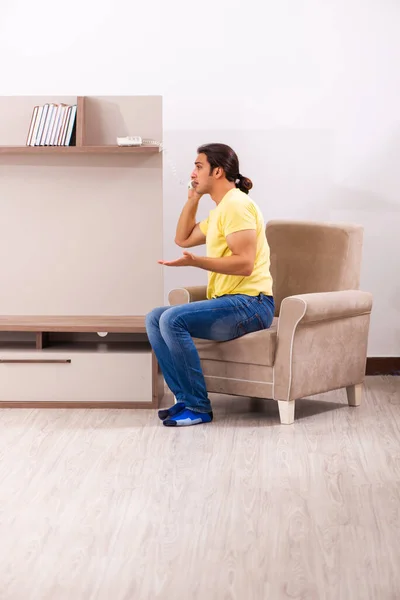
(286, 411)
(354, 394)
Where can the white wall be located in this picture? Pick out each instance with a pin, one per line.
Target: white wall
(306, 91)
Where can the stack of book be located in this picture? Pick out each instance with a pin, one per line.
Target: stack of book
(52, 125)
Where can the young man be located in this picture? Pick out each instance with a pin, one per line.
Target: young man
(239, 291)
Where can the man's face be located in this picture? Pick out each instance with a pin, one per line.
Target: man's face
(201, 179)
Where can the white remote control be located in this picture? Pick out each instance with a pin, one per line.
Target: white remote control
(129, 140)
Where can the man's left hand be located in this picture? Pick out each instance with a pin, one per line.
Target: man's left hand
(187, 260)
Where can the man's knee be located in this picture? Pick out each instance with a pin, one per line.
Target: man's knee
(152, 318)
(170, 319)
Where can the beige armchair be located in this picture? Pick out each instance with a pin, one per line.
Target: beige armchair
(318, 340)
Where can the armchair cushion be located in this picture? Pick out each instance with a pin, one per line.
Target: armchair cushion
(308, 257)
(256, 348)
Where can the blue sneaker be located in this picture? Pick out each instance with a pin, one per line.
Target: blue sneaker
(187, 417)
(171, 412)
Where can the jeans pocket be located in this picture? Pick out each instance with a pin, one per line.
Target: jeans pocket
(253, 323)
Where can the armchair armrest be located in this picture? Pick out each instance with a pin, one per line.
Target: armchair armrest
(322, 342)
(325, 306)
(187, 294)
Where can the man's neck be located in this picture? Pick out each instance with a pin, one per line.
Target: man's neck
(219, 193)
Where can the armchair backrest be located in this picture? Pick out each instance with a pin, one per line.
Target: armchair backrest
(309, 257)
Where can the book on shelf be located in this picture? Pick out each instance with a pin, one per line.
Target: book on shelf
(52, 125)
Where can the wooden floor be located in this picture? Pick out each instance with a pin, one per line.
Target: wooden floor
(111, 505)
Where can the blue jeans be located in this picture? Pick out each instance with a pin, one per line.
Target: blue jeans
(170, 330)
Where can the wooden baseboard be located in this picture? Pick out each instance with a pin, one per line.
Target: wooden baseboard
(383, 365)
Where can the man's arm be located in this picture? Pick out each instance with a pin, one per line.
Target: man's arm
(196, 238)
(188, 232)
(243, 245)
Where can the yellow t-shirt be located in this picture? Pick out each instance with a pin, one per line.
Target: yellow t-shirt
(236, 212)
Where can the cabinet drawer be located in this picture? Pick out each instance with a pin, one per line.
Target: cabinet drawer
(87, 377)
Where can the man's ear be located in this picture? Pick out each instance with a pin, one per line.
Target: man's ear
(219, 172)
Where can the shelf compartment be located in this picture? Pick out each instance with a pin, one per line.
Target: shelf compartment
(99, 120)
(88, 341)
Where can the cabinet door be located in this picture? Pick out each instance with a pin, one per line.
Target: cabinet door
(81, 377)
